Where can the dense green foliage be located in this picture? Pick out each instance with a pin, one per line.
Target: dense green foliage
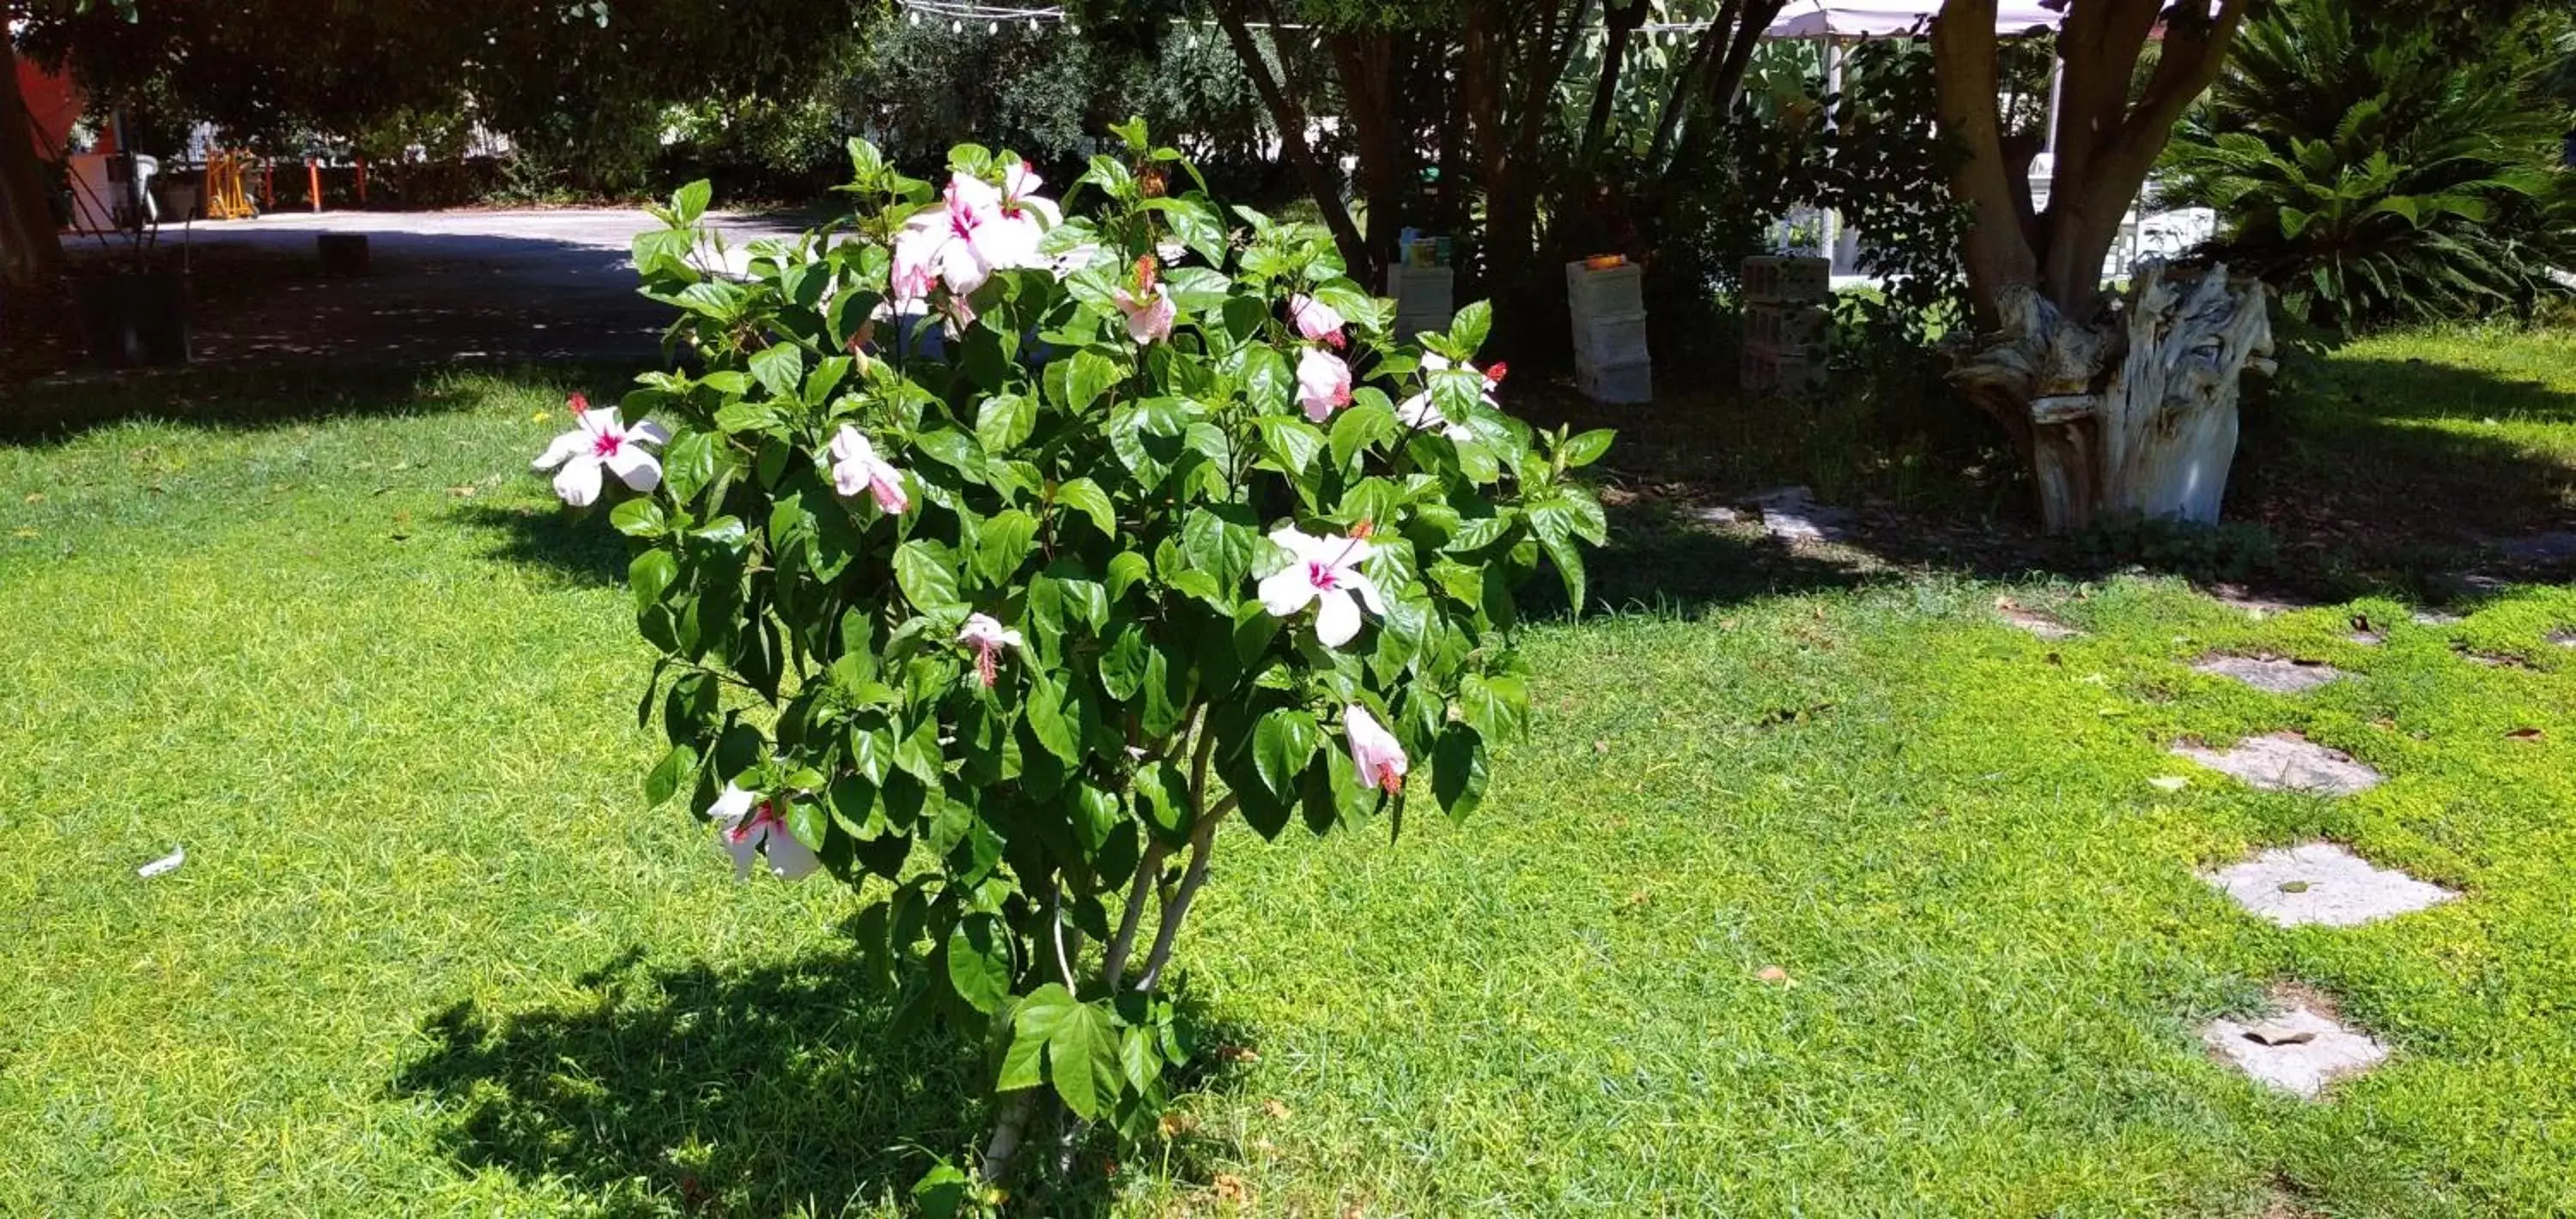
(1004, 624)
(2380, 174)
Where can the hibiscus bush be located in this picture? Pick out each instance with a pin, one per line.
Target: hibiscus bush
(998, 557)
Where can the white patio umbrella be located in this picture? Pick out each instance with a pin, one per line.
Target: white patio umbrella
(1880, 18)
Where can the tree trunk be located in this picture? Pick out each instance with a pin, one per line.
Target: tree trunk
(1290, 118)
(2129, 413)
(2126, 413)
(1620, 21)
(31, 247)
(1366, 61)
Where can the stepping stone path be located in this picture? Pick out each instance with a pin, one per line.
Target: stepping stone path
(1791, 514)
(2436, 618)
(2286, 762)
(2299, 1051)
(2271, 673)
(2036, 623)
(2323, 884)
(2563, 637)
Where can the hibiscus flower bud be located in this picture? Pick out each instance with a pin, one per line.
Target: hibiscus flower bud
(1494, 374)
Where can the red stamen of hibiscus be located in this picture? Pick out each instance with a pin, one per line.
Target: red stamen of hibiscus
(1388, 779)
(1494, 375)
(579, 402)
(984, 666)
(1362, 530)
(1145, 274)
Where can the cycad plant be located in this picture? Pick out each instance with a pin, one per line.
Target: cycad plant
(2375, 176)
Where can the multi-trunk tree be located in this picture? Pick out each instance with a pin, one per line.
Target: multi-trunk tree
(1455, 113)
(2121, 405)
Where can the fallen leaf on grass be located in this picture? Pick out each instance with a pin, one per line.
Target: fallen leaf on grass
(1275, 1107)
(465, 492)
(1237, 1053)
(2526, 734)
(1229, 1188)
(2171, 783)
(1601, 746)
(35, 497)
(1776, 975)
(23, 534)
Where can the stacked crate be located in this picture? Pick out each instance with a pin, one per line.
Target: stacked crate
(1608, 306)
(1786, 323)
(1424, 298)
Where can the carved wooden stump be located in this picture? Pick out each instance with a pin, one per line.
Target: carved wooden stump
(2134, 412)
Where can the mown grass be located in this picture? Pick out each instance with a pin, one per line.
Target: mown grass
(429, 956)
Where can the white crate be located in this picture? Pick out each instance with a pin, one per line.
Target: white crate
(1787, 278)
(1610, 338)
(1423, 290)
(1766, 370)
(1624, 382)
(1606, 291)
(1783, 327)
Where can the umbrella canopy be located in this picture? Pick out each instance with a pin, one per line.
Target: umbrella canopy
(1877, 18)
(53, 102)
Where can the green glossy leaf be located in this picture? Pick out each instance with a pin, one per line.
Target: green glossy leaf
(1082, 1056)
(927, 573)
(1584, 448)
(669, 774)
(1282, 744)
(979, 963)
(1085, 496)
(1458, 769)
(779, 369)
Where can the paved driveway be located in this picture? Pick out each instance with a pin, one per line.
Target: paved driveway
(466, 285)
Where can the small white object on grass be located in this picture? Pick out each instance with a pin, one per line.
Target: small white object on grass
(165, 865)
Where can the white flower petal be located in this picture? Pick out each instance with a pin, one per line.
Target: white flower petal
(649, 432)
(1366, 589)
(790, 859)
(635, 467)
(561, 449)
(578, 482)
(1288, 590)
(1337, 619)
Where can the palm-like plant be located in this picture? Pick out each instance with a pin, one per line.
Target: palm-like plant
(2374, 178)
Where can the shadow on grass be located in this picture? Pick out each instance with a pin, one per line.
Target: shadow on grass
(2365, 493)
(690, 1090)
(53, 412)
(579, 546)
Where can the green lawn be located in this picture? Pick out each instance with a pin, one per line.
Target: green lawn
(428, 955)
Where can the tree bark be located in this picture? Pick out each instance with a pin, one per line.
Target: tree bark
(2130, 413)
(31, 247)
(1707, 115)
(1290, 117)
(1620, 21)
(2126, 414)
(1366, 63)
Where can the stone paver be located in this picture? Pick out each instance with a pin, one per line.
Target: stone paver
(2323, 884)
(1791, 514)
(2299, 1051)
(2283, 762)
(2270, 673)
(2436, 618)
